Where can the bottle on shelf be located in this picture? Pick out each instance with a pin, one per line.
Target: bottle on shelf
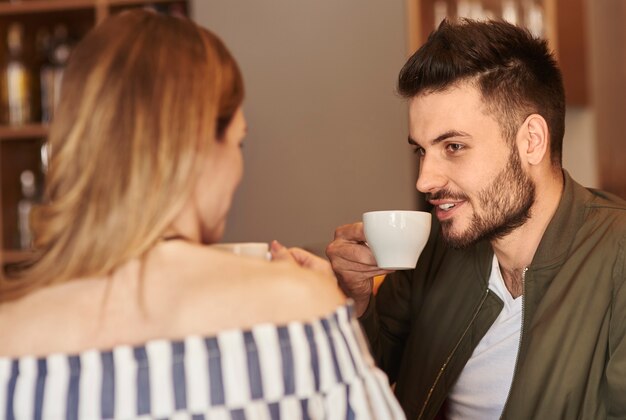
(44, 153)
(46, 74)
(440, 10)
(53, 73)
(175, 9)
(16, 80)
(534, 18)
(471, 9)
(464, 8)
(24, 208)
(510, 12)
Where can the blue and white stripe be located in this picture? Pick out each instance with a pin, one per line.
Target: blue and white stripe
(314, 370)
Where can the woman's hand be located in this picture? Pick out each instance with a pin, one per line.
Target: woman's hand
(301, 257)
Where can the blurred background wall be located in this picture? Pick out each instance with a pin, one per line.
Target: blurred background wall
(327, 137)
(327, 133)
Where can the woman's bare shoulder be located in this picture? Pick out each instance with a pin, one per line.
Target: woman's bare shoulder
(244, 291)
(176, 291)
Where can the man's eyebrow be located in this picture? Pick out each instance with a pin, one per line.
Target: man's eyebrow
(448, 134)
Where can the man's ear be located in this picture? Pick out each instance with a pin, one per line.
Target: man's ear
(534, 139)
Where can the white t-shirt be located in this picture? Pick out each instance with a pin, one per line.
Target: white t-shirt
(482, 389)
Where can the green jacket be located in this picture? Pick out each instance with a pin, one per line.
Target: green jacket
(424, 324)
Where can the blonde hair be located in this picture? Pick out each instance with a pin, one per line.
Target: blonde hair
(144, 96)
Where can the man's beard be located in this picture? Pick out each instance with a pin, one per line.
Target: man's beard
(505, 204)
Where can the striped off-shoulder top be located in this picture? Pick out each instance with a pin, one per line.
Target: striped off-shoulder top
(302, 370)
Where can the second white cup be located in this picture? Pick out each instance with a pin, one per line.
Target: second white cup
(258, 250)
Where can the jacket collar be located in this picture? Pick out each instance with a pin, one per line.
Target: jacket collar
(567, 220)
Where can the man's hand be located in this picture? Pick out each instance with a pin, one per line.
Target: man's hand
(354, 264)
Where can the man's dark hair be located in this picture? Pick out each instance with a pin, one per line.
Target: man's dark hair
(514, 71)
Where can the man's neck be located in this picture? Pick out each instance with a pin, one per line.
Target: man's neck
(515, 252)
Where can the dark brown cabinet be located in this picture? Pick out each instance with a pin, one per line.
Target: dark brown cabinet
(22, 144)
(562, 22)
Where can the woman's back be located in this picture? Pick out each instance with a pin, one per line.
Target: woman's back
(190, 331)
(178, 289)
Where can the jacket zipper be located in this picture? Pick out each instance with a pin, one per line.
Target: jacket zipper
(519, 343)
(445, 364)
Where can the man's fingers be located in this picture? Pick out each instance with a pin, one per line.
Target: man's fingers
(350, 251)
(352, 232)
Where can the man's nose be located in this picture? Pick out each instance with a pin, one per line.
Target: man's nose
(431, 177)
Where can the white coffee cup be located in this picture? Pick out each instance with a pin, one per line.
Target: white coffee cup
(258, 250)
(396, 237)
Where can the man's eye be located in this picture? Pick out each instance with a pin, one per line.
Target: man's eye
(454, 147)
(419, 151)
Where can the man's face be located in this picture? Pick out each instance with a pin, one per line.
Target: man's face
(468, 171)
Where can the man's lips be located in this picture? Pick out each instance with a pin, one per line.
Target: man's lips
(446, 204)
(446, 208)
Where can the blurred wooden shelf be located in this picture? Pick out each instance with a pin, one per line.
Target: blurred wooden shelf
(20, 146)
(29, 131)
(138, 2)
(43, 6)
(37, 6)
